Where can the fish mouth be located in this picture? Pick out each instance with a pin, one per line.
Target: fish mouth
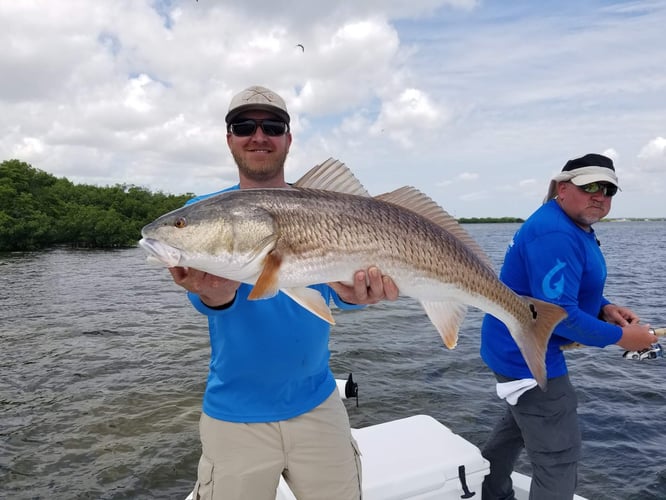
(160, 252)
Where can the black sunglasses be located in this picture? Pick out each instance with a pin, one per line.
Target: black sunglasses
(594, 187)
(246, 128)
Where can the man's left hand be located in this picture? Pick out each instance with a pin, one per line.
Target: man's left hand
(618, 315)
(369, 287)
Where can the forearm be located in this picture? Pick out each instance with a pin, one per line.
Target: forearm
(205, 289)
(220, 299)
(587, 330)
(211, 307)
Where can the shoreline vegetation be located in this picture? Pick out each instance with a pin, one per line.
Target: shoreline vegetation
(509, 220)
(490, 220)
(39, 211)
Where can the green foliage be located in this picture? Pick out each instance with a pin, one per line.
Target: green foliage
(38, 210)
(484, 220)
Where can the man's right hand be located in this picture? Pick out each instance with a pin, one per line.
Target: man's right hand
(212, 290)
(636, 337)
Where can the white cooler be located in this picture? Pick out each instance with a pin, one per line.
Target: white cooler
(415, 458)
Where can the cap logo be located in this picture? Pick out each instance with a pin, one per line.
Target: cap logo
(265, 93)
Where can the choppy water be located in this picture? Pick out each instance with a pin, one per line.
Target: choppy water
(103, 363)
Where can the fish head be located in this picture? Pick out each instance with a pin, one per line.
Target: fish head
(224, 235)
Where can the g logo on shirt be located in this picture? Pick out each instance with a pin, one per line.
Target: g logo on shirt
(553, 290)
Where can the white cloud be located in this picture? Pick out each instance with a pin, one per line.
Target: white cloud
(462, 177)
(468, 176)
(528, 184)
(408, 117)
(652, 157)
(29, 147)
(141, 93)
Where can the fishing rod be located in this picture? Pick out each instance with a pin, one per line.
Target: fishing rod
(653, 352)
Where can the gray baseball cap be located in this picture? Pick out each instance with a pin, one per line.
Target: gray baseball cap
(257, 97)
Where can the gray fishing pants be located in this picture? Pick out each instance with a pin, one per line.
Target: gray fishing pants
(546, 425)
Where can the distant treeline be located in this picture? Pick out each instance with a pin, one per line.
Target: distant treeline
(481, 220)
(38, 210)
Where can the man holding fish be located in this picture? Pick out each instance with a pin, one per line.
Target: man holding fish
(271, 406)
(555, 256)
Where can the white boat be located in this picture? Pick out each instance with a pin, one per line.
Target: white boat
(418, 458)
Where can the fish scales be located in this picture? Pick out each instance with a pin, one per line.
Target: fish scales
(324, 224)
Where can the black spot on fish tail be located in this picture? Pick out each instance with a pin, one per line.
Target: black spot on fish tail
(533, 341)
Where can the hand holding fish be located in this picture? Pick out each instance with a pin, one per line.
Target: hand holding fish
(214, 291)
(369, 287)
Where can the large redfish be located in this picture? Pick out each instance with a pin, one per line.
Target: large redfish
(325, 228)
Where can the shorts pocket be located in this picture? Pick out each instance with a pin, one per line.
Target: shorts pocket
(203, 489)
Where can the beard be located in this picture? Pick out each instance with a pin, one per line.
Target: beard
(260, 171)
(592, 215)
(589, 220)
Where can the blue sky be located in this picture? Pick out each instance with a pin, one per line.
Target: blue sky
(476, 103)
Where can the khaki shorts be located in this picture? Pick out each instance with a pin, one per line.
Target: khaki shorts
(315, 452)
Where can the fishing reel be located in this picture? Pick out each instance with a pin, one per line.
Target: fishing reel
(653, 352)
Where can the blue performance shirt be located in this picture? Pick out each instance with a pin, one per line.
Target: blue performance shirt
(269, 357)
(552, 259)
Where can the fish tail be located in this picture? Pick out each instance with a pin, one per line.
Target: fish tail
(537, 332)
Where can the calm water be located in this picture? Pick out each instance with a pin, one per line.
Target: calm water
(103, 363)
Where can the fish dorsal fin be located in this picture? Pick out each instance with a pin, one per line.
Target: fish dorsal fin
(414, 200)
(332, 175)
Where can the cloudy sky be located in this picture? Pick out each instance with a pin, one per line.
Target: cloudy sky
(476, 103)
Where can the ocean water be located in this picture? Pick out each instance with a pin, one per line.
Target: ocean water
(103, 364)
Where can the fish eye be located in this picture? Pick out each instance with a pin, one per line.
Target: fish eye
(180, 223)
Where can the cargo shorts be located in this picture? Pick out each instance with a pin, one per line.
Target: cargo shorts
(314, 452)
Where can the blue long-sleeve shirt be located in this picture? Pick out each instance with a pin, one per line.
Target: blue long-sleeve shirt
(269, 357)
(553, 259)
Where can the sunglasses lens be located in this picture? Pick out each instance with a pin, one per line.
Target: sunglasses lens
(591, 188)
(273, 128)
(243, 129)
(594, 187)
(611, 190)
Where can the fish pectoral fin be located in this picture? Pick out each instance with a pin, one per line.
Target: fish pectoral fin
(266, 285)
(312, 300)
(447, 318)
